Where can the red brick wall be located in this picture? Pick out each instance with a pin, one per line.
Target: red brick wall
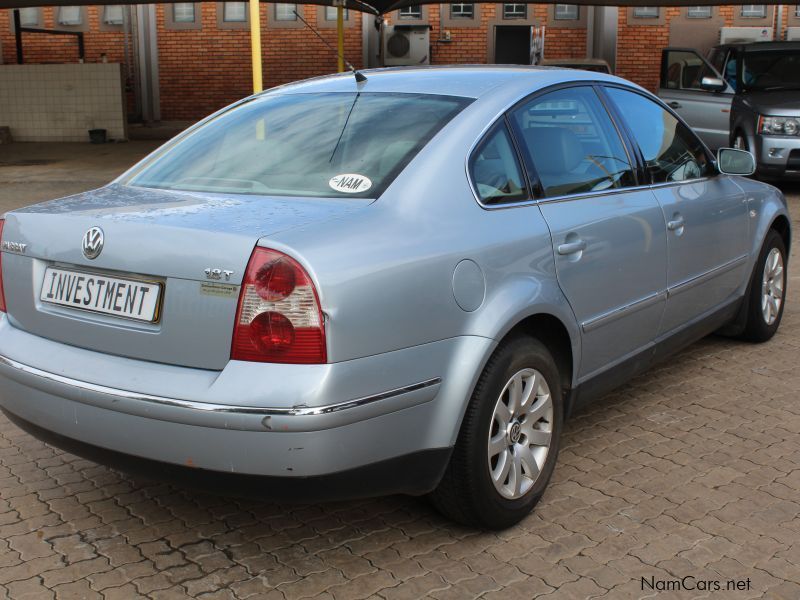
(202, 70)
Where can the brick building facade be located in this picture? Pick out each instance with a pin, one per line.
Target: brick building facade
(204, 47)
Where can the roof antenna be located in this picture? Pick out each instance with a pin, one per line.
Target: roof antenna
(360, 77)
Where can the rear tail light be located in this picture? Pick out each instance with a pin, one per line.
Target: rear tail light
(2, 293)
(279, 319)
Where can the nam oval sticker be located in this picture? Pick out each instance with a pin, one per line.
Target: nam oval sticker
(350, 183)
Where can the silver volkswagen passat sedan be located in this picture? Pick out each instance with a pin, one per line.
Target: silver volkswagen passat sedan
(399, 285)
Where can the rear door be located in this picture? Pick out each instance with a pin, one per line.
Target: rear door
(706, 212)
(707, 112)
(608, 237)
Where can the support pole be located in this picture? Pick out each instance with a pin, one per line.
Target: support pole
(255, 45)
(340, 34)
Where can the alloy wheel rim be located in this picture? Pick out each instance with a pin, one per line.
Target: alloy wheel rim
(520, 433)
(739, 143)
(772, 286)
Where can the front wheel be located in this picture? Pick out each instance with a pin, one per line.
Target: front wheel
(767, 291)
(740, 142)
(508, 443)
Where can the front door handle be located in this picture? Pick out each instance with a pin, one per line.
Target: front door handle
(675, 105)
(676, 223)
(572, 247)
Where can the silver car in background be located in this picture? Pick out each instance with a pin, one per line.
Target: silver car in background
(401, 285)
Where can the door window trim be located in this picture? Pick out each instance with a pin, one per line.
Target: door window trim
(537, 192)
(494, 126)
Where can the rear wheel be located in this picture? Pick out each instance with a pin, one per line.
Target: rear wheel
(508, 443)
(767, 291)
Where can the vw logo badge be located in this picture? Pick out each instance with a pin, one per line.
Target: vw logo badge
(92, 243)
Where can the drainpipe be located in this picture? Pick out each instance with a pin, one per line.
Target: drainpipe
(147, 59)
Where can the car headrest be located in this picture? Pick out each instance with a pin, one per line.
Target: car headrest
(554, 150)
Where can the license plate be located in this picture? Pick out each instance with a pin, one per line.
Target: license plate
(98, 293)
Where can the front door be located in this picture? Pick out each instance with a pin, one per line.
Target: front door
(512, 45)
(707, 112)
(705, 212)
(608, 239)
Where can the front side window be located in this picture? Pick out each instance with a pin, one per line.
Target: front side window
(183, 12)
(234, 12)
(645, 12)
(671, 152)
(495, 169)
(698, 12)
(285, 12)
(462, 11)
(331, 145)
(515, 11)
(410, 12)
(70, 15)
(686, 69)
(572, 144)
(567, 12)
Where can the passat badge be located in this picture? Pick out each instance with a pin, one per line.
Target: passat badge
(17, 247)
(92, 243)
(350, 183)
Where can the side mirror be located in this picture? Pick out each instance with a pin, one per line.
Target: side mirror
(713, 84)
(735, 162)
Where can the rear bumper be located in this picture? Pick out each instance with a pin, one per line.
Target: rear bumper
(275, 421)
(413, 474)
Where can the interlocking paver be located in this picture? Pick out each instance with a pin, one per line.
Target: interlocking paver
(691, 469)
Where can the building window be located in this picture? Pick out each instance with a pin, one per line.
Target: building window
(330, 13)
(567, 12)
(698, 12)
(28, 17)
(515, 11)
(113, 14)
(70, 15)
(462, 11)
(754, 11)
(183, 12)
(645, 12)
(234, 12)
(797, 11)
(285, 12)
(410, 12)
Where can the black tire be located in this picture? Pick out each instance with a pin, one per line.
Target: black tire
(757, 329)
(466, 493)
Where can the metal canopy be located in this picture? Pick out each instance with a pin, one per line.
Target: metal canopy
(379, 7)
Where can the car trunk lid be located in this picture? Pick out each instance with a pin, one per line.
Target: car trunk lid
(193, 246)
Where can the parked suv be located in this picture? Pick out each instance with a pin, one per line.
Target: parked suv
(745, 95)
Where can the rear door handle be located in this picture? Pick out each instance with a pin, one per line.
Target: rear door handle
(675, 105)
(675, 224)
(572, 247)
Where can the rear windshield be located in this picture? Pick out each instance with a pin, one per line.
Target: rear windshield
(319, 145)
(771, 70)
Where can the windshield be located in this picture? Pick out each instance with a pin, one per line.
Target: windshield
(771, 69)
(326, 144)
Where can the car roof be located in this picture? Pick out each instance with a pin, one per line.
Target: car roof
(573, 61)
(763, 46)
(470, 81)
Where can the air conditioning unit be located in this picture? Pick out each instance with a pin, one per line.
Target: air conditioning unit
(792, 34)
(406, 45)
(734, 35)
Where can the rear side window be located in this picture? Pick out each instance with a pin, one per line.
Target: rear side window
(496, 171)
(318, 145)
(572, 143)
(671, 151)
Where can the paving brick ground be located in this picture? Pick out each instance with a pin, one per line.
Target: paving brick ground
(690, 470)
